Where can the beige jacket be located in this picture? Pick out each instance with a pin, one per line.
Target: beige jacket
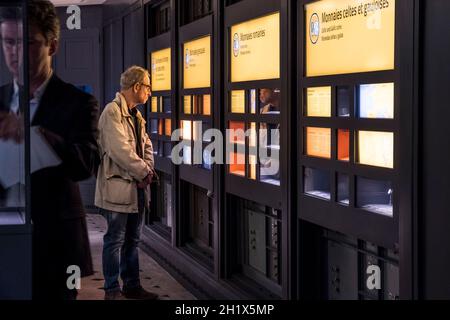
(121, 167)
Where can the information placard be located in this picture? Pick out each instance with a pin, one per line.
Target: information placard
(255, 49)
(161, 70)
(376, 148)
(348, 36)
(197, 63)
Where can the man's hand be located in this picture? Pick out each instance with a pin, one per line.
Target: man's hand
(147, 180)
(11, 127)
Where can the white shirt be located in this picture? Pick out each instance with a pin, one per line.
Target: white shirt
(34, 102)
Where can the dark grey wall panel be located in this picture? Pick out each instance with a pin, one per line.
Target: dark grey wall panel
(134, 39)
(435, 151)
(15, 266)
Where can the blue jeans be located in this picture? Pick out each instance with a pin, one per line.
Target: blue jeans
(120, 249)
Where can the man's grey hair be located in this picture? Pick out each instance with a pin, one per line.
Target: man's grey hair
(131, 76)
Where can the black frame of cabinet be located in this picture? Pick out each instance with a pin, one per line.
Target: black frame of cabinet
(397, 232)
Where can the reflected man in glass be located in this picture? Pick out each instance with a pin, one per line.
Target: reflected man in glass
(63, 150)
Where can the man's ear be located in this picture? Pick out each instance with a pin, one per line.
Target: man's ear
(135, 87)
(54, 45)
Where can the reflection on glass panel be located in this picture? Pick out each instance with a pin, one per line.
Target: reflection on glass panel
(318, 142)
(269, 101)
(187, 104)
(205, 127)
(167, 104)
(197, 104)
(253, 134)
(252, 163)
(376, 148)
(343, 148)
(155, 147)
(197, 132)
(186, 129)
(374, 195)
(318, 102)
(187, 155)
(253, 101)
(269, 156)
(257, 241)
(207, 161)
(343, 101)
(316, 182)
(154, 125)
(154, 107)
(167, 149)
(238, 101)
(237, 163)
(376, 101)
(343, 188)
(237, 132)
(168, 127)
(207, 104)
(160, 127)
(167, 219)
(262, 233)
(160, 105)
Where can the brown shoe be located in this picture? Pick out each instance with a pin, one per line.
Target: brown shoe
(114, 295)
(139, 293)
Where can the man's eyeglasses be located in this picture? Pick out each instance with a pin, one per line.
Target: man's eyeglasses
(149, 87)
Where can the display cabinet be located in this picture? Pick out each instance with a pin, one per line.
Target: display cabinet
(256, 112)
(354, 122)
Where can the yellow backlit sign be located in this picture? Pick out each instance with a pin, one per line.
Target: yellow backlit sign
(161, 70)
(318, 103)
(238, 101)
(348, 36)
(318, 142)
(197, 63)
(376, 148)
(255, 49)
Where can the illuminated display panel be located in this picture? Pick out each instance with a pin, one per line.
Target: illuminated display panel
(168, 127)
(376, 148)
(360, 37)
(186, 129)
(197, 63)
(206, 104)
(161, 70)
(318, 142)
(255, 49)
(160, 127)
(235, 135)
(237, 164)
(318, 102)
(154, 107)
(252, 161)
(376, 101)
(187, 104)
(343, 145)
(238, 101)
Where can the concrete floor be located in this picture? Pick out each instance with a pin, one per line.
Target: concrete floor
(153, 277)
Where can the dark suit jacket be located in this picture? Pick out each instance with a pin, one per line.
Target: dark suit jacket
(69, 118)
